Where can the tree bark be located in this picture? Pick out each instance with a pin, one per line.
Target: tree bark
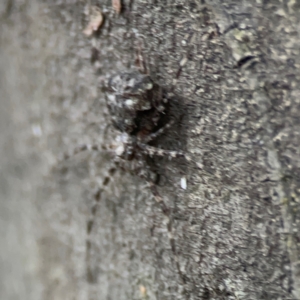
(231, 69)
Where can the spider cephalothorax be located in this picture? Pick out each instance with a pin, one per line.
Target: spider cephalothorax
(135, 102)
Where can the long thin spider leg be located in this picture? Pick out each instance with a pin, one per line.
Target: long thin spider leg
(84, 147)
(91, 276)
(153, 151)
(154, 135)
(97, 195)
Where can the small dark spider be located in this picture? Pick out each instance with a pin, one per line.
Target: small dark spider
(136, 106)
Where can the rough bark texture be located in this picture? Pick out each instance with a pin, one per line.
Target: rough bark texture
(233, 69)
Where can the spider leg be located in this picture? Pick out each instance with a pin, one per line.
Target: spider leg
(90, 273)
(154, 135)
(97, 195)
(83, 147)
(153, 151)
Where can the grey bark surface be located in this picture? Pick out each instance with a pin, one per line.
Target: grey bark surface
(233, 70)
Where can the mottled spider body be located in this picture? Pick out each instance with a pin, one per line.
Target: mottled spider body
(135, 102)
(136, 106)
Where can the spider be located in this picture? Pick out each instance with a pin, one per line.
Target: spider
(137, 108)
